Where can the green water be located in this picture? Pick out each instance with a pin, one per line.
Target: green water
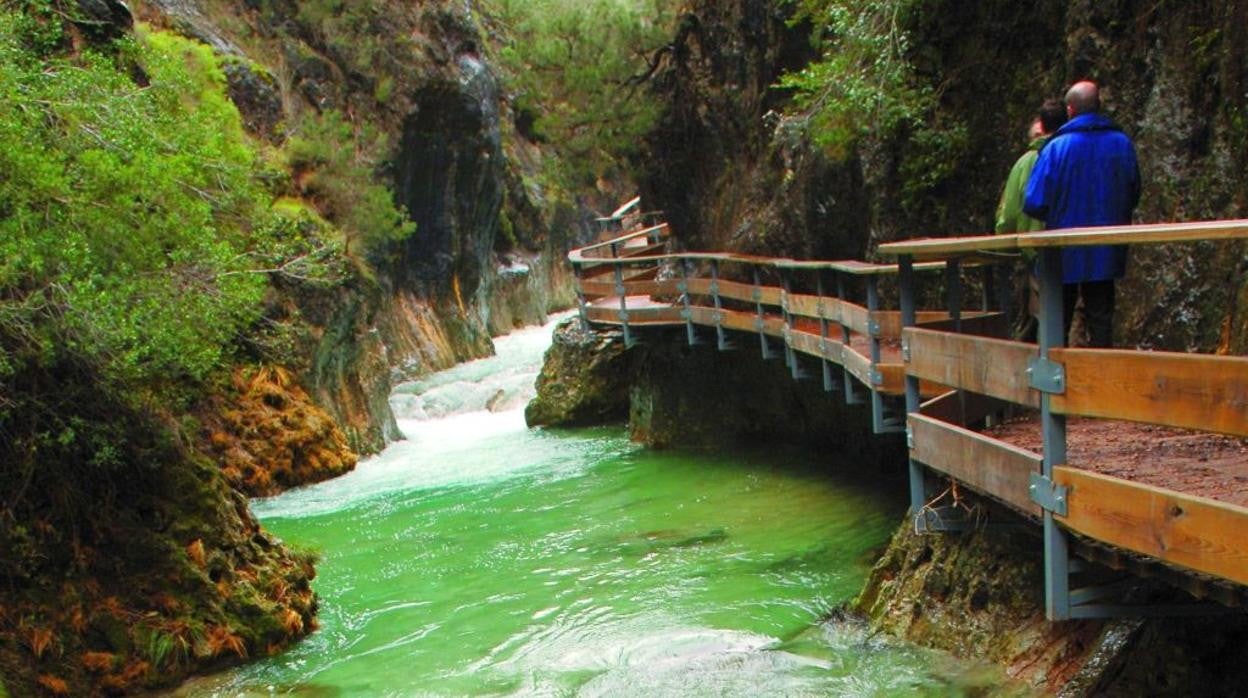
(478, 557)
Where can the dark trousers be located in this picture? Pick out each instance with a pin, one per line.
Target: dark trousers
(1098, 310)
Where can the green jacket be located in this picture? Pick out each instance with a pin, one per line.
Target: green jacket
(1010, 216)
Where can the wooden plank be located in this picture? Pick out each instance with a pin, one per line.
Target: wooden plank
(739, 320)
(651, 288)
(961, 407)
(814, 345)
(993, 467)
(946, 248)
(993, 367)
(890, 320)
(648, 315)
(604, 247)
(642, 250)
(736, 290)
(699, 287)
(1193, 532)
(977, 323)
(858, 365)
(595, 289)
(1190, 391)
(832, 309)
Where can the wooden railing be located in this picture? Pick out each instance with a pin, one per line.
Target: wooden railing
(954, 368)
(1188, 391)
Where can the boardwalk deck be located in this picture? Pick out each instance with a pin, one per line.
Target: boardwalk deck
(1175, 496)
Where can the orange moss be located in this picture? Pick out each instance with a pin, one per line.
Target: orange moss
(292, 622)
(219, 639)
(195, 551)
(267, 435)
(54, 685)
(126, 679)
(39, 640)
(98, 662)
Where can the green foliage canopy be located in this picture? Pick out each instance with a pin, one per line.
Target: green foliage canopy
(134, 219)
(863, 81)
(571, 62)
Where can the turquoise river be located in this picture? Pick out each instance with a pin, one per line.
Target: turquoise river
(481, 558)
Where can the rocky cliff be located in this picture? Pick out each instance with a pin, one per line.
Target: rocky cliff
(487, 251)
(735, 172)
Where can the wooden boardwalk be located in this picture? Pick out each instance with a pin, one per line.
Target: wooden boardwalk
(939, 375)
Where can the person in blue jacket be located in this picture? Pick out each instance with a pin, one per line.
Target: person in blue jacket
(1087, 175)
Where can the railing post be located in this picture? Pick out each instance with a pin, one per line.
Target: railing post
(873, 337)
(580, 297)
(684, 297)
(621, 291)
(790, 356)
(851, 396)
(758, 322)
(909, 314)
(953, 292)
(1053, 432)
(829, 385)
(721, 341)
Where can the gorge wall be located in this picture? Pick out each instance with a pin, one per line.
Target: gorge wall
(733, 172)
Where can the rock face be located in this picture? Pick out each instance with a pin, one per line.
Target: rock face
(979, 594)
(584, 380)
(733, 174)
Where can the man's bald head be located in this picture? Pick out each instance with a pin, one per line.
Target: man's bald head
(1083, 97)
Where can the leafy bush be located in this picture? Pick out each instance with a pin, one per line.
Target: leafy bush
(134, 223)
(334, 161)
(571, 64)
(864, 81)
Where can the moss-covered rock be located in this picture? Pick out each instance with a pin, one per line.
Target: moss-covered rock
(584, 379)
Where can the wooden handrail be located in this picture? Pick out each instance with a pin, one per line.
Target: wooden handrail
(958, 355)
(1153, 233)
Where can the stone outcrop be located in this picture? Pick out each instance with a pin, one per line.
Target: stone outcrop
(584, 380)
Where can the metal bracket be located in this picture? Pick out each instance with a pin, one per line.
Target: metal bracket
(757, 294)
(1050, 496)
(1046, 376)
(714, 288)
(682, 286)
(877, 377)
(621, 289)
(758, 324)
(623, 315)
(686, 314)
(905, 349)
(909, 438)
(873, 328)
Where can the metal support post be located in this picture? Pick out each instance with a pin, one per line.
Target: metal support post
(953, 292)
(582, 306)
(761, 315)
(721, 341)
(877, 400)
(851, 395)
(790, 356)
(829, 385)
(686, 301)
(622, 292)
(909, 313)
(1053, 433)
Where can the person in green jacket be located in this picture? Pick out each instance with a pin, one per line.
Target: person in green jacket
(1011, 219)
(1010, 216)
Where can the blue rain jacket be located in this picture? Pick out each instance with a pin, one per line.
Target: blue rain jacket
(1086, 175)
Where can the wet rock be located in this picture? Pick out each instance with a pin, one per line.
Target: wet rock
(256, 94)
(584, 379)
(104, 20)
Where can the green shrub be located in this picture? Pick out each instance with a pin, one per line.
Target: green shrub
(335, 160)
(571, 64)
